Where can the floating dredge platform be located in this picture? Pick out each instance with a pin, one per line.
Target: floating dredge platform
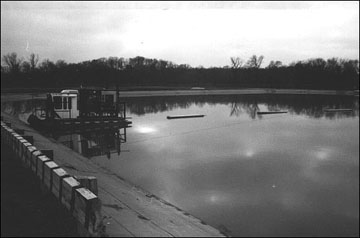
(80, 109)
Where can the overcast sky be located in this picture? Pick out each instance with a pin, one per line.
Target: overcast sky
(196, 33)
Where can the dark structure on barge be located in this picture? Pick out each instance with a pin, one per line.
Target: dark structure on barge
(80, 109)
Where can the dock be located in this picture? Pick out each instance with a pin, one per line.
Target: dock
(126, 210)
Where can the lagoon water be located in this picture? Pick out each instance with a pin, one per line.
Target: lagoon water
(292, 174)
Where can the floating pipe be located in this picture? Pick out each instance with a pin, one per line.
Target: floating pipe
(185, 116)
(271, 112)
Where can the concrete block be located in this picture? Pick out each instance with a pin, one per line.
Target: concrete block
(5, 130)
(58, 176)
(17, 146)
(21, 141)
(69, 185)
(7, 134)
(89, 182)
(15, 143)
(34, 160)
(28, 153)
(3, 134)
(85, 206)
(23, 151)
(48, 168)
(12, 138)
(41, 160)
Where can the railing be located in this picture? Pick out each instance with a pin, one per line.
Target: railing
(122, 111)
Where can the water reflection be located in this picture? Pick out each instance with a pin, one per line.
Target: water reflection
(310, 105)
(275, 175)
(145, 129)
(237, 108)
(95, 141)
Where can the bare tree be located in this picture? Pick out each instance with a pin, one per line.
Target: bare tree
(11, 60)
(162, 64)
(184, 66)
(47, 65)
(113, 62)
(25, 67)
(317, 63)
(60, 64)
(254, 61)
(274, 64)
(121, 63)
(137, 62)
(33, 60)
(236, 62)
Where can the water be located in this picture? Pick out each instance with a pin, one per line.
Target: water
(293, 174)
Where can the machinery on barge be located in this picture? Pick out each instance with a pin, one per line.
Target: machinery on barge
(77, 109)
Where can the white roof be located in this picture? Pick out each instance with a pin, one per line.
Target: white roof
(64, 94)
(70, 91)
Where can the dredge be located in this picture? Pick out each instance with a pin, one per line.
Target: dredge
(80, 109)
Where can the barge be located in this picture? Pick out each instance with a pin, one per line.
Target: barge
(83, 108)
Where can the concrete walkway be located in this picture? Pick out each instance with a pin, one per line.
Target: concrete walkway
(126, 209)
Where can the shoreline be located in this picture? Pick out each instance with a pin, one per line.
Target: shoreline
(17, 96)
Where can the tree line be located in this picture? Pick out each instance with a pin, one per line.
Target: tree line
(317, 73)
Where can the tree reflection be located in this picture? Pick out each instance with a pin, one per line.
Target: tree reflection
(312, 106)
(250, 109)
(309, 105)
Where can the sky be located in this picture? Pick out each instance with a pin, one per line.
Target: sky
(196, 33)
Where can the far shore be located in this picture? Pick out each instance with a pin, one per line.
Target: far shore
(38, 94)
